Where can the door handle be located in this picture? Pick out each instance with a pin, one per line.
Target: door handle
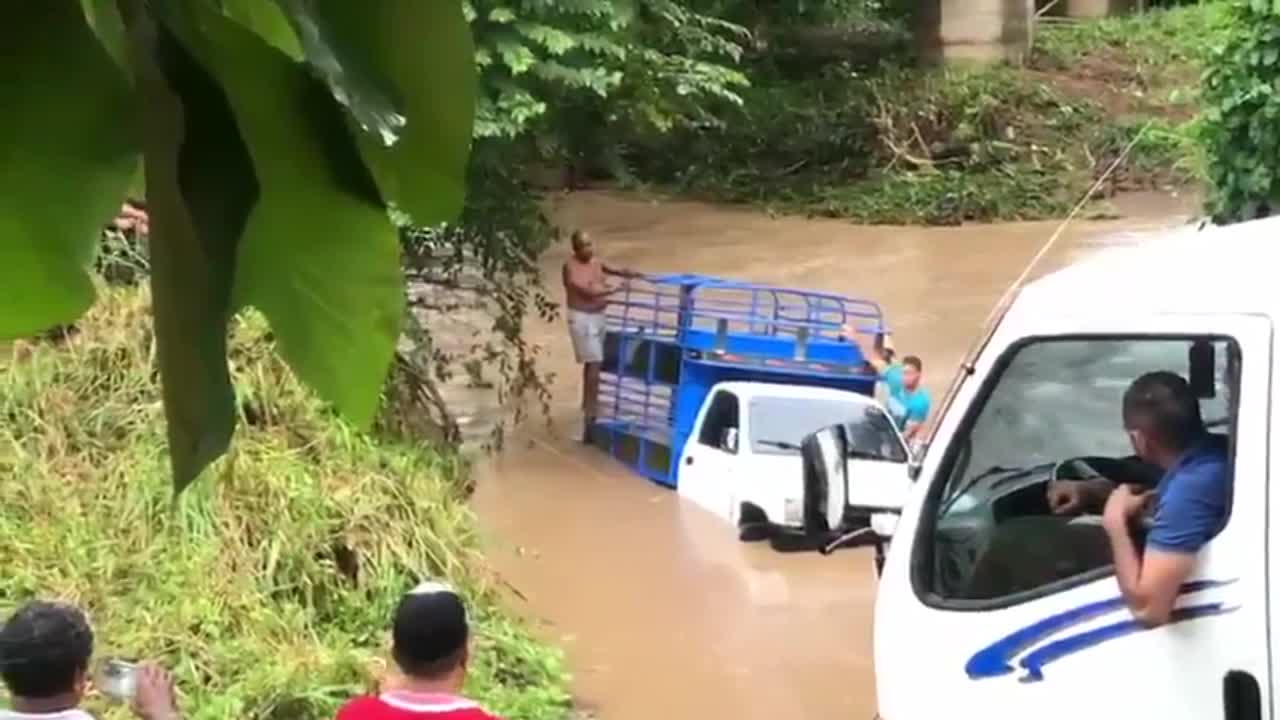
(1241, 696)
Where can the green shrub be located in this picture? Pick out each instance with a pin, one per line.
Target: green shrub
(900, 146)
(269, 591)
(894, 144)
(1242, 115)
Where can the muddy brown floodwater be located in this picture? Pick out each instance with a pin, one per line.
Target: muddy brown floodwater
(663, 613)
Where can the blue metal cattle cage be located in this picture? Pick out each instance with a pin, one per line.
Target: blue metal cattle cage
(671, 338)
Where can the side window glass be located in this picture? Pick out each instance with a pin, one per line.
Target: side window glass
(721, 415)
(1051, 410)
(873, 437)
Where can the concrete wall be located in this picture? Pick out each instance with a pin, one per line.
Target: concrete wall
(985, 31)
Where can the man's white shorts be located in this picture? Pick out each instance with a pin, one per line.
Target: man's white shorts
(587, 332)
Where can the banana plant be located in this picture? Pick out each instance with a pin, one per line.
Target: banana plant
(277, 139)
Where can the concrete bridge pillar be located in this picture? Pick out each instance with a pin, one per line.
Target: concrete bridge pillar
(985, 31)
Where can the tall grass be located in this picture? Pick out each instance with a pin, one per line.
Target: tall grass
(268, 588)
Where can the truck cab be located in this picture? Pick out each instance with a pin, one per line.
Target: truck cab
(743, 460)
(990, 605)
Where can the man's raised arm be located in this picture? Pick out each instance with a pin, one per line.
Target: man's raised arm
(876, 357)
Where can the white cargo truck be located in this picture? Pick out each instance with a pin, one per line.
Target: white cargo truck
(990, 606)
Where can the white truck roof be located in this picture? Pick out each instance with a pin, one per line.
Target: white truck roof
(1227, 268)
(784, 390)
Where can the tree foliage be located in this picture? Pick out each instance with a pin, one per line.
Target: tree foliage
(1241, 93)
(276, 135)
(561, 82)
(656, 62)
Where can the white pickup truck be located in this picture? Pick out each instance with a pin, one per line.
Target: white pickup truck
(990, 606)
(708, 386)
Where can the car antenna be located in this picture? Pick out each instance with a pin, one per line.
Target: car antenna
(1002, 305)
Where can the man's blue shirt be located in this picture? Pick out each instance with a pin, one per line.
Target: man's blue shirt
(1193, 499)
(904, 406)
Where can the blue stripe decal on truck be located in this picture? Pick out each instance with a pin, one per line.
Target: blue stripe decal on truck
(996, 659)
(1035, 661)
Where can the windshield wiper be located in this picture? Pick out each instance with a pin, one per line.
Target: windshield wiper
(852, 454)
(994, 470)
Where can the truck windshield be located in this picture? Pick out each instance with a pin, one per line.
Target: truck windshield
(779, 424)
(994, 534)
(1061, 398)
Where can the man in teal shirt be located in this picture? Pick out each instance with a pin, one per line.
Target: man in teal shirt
(908, 403)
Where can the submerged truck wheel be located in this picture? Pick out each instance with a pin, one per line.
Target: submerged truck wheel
(753, 524)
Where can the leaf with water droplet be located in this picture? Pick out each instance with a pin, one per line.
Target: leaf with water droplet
(355, 86)
(420, 54)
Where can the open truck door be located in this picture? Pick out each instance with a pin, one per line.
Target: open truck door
(851, 492)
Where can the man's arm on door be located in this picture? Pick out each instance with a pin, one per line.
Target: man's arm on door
(1150, 584)
(1183, 525)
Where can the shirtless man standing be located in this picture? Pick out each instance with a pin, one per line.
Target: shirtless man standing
(587, 295)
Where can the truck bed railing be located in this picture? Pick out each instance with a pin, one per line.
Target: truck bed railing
(666, 305)
(670, 338)
(633, 406)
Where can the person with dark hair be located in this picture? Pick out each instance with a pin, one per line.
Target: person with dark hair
(430, 643)
(587, 296)
(907, 402)
(1192, 500)
(45, 649)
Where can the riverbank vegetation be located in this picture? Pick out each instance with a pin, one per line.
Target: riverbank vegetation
(880, 139)
(1242, 115)
(269, 591)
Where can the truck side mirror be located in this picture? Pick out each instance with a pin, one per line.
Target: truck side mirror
(1202, 364)
(840, 495)
(826, 480)
(729, 440)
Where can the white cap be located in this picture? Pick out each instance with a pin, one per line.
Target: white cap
(432, 587)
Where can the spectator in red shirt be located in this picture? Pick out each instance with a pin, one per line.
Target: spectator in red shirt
(430, 642)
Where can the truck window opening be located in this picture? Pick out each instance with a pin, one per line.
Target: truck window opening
(991, 535)
(722, 415)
